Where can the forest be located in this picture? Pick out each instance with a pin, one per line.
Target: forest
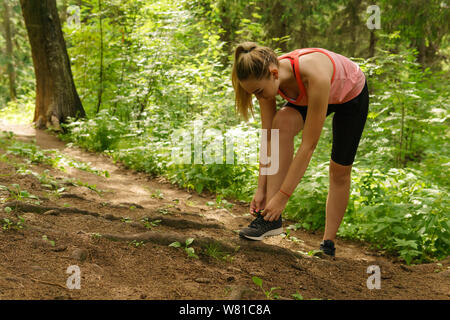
(121, 78)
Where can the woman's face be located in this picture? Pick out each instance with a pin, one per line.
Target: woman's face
(266, 88)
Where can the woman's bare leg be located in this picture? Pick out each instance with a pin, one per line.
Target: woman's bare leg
(337, 200)
(289, 122)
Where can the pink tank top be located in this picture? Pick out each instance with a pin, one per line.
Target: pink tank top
(346, 83)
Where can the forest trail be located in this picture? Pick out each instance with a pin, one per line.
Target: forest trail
(121, 255)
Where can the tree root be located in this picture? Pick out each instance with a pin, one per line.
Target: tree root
(28, 207)
(167, 238)
(170, 222)
(267, 248)
(185, 224)
(238, 292)
(73, 196)
(164, 239)
(122, 205)
(54, 124)
(45, 282)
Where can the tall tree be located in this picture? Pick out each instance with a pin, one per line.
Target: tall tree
(100, 89)
(372, 43)
(56, 95)
(424, 24)
(9, 50)
(63, 13)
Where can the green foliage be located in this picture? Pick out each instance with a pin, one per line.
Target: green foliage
(79, 183)
(97, 134)
(157, 194)
(51, 242)
(215, 251)
(126, 220)
(408, 114)
(270, 294)
(30, 151)
(220, 203)
(394, 210)
(10, 224)
(136, 244)
(150, 224)
(397, 212)
(287, 235)
(16, 193)
(54, 158)
(19, 111)
(22, 109)
(96, 236)
(297, 296)
(307, 203)
(189, 250)
(315, 253)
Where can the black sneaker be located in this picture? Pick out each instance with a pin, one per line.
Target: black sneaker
(327, 246)
(260, 228)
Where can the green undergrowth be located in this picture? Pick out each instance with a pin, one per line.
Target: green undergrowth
(396, 210)
(32, 154)
(35, 155)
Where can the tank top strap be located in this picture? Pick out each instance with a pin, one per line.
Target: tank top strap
(293, 57)
(302, 52)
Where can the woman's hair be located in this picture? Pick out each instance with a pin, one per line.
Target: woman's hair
(250, 61)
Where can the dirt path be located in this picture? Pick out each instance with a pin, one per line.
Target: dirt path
(120, 256)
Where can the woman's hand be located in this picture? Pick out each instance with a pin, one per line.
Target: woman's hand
(258, 202)
(275, 207)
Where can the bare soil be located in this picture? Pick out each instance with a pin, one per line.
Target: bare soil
(103, 233)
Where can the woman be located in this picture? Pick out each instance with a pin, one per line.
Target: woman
(315, 82)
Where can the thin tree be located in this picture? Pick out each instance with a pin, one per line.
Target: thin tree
(372, 43)
(100, 89)
(9, 50)
(56, 95)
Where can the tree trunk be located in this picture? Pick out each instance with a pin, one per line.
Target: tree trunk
(9, 50)
(354, 9)
(277, 24)
(372, 43)
(421, 48)
(100, 89)
(56, 95)
(64, 12)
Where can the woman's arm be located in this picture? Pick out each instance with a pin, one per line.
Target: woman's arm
(268, 109)
(316, 71)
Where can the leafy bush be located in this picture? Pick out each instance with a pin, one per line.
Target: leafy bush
(307, 203)
(398, 212)
(395, 211)
(20, 110)
(99, 134)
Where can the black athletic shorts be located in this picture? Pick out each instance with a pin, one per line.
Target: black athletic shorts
(348, 124)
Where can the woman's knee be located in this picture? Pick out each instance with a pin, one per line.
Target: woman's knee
(288, 121)
(339, 174)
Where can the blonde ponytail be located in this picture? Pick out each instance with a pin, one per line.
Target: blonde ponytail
(250, 61)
